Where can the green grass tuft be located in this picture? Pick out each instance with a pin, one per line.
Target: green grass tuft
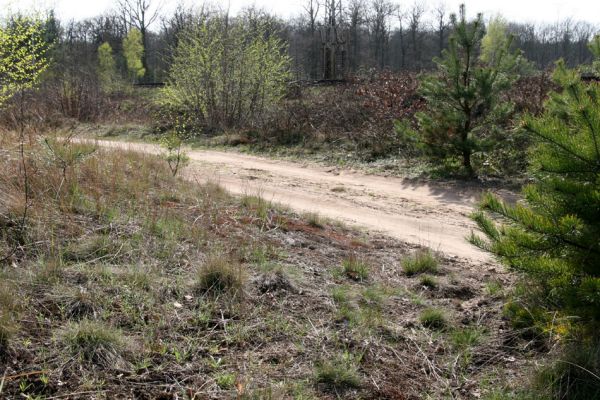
(7, 329)
(339, 373)
(340, 294)
(77, 303)
(574, 375)
(315, 220)
(429, 281)
(466, 337)
(420, 262)
(258, 205)
(225, 380)
(433, 318)
(8, 311)
(493, 288)
(355, 268)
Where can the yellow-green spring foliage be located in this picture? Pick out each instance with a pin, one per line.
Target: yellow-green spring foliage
(554, 236)
(227, 72)
(107, 70)
(496, 44)
(494, 41)
(133, 50)
(22, 56)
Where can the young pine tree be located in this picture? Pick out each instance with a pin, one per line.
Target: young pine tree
(554, 238)
(465, 111)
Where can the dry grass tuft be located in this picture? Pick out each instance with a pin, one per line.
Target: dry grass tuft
(76, 303)
(8, 311)
(94, 342)
(220, 275)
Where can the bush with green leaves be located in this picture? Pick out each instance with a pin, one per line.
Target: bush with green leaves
(23, 57)
(552, 236)
(172, 142)
(226, 71)
(465, 112)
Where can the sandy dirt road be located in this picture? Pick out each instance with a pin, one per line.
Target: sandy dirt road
(429, 214)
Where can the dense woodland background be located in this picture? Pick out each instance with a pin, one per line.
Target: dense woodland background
(380, 35)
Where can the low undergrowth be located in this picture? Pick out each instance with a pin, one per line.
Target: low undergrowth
(127, 282)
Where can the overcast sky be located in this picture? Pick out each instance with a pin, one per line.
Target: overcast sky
(514, 10)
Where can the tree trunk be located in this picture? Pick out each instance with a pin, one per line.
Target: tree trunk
(467, 162)
(144, 56)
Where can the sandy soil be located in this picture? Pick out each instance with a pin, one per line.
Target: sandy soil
(428, 214)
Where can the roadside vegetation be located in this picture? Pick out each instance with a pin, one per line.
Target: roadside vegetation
(120, 278)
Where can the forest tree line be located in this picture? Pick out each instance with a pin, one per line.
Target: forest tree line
(379, 34)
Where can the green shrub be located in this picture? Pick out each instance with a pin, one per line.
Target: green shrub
(245, 66)
(552, 237)
(420, 262)
(172, 142)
